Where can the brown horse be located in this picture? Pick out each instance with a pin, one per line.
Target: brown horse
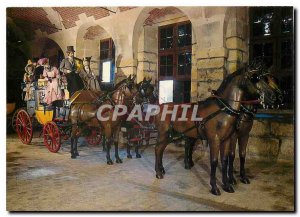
(220, 115)
(144, 94)
(83, 114)
(244, 126)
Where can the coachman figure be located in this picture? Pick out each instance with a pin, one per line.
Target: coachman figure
(69, 69)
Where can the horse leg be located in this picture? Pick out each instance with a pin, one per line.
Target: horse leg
(108, 146)
(128, 146)
(214, 152)
(128, 151)
(159, 149)
(103, 143)
(137, 154)
(243, 141)
(73, 138)
(233, 141)
(224, 160)
(118, 159)
(76, 144)
(190, 155)
(73, 155)
(186, 153)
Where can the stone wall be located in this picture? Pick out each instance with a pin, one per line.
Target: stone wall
(272, 139)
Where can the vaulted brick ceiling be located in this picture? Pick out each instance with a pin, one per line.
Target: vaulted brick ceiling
(157, 13)
(30, 19)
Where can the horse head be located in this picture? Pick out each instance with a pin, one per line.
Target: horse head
(145, 92)
(261, 83)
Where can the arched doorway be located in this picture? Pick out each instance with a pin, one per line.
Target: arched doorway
(163, 46)
(93, 40)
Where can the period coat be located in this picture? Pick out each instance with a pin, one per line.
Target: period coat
(53, 91)
(28, 79)
(69, 69)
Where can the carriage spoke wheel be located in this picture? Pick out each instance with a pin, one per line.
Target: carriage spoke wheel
(52, 137)
(95, 137)
(24, 126)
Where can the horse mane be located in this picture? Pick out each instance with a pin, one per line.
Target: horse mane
(229, 79)
(120, 83)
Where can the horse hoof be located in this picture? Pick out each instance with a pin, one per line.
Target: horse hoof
(163, 171)
(159, 176)
(138, 156)
(232, 181)
(110, 162)
(73, 156)
(129, 156)
(77, 154)
(119, 161)
(187, 166)
(245, 180)
(191, 164)
(215, 191)
(228, 188)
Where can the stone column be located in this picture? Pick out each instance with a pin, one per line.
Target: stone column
(211, 56)
(236, 39)
(147, 54)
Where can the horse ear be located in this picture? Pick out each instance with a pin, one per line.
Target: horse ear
(144, 79)
(129, 77)
(149, 81)
(133, 77)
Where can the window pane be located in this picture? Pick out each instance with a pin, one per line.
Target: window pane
(182, 92)
(184, 63)
(165, 91)
(263, 18)
(287, 20)
(163, 60)
(104, 54)
(162, 71)
(184, 35)
(104, 45)
(169, 59)
(166, 38)
(169, 71)
(264, 51)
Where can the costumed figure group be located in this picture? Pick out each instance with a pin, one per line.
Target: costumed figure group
(66, 75)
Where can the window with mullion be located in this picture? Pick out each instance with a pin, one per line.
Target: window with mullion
(166, 65)
(175, 58)
(271, 39)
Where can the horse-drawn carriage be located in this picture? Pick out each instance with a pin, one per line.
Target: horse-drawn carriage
(56, 125)
(53, 119)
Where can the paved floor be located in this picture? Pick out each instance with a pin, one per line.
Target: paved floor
(40, 180)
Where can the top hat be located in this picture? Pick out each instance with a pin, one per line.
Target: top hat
(70, 49)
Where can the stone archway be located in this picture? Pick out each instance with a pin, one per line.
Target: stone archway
(145, 41)
(235, 30)
(88, 43)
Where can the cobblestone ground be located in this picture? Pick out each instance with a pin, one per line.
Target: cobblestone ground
(40, 180)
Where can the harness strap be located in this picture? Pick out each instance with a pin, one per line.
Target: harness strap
(248, 111)
(228, 109)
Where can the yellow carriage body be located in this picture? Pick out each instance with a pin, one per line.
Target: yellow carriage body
(44, 116)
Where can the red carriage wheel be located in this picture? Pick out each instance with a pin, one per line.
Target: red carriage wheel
(51, 137)
(24, 126)
(95, 137)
